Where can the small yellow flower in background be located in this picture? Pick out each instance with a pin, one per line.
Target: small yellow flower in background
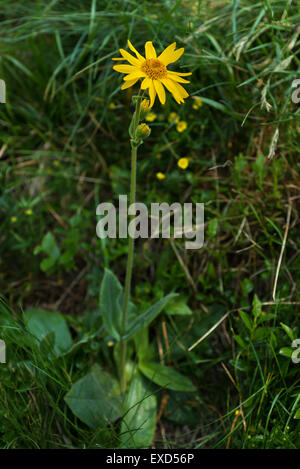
(13, 219)
(153, 70)
(160, 176)
(183, 163)
(237, 412)
(110, 343)
(111, 106)
(56, 163)
(158, 156)
(28, 211)
(197, 103)
(181, 126)
(173, 117)
(151, 116)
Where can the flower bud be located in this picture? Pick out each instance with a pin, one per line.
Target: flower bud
(145, 108)
(143, 131)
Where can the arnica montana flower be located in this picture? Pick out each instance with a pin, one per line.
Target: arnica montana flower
(153, 71)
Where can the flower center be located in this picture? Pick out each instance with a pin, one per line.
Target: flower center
(154, 69)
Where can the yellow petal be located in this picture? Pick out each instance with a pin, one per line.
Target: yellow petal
(146, 83)
(167, 53)
(160, 91)
(150, 51)
(118, 58)
(175, 77)
(171, 86)
(124, 68)
(152, 93)
(139, 56)
(134, 75)
(129, 57)
(173, 55)
(128, 84)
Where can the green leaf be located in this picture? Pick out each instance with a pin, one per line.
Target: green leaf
(111, 294)
(246, 320)
(95, 398)
(256, 306)
(288, 331)
(240, 341)
(297, 414)
(41, 323)
(138, 424)
(144, 319)
(178, 308)
(166, 377)
(286, 352)
(48, 246)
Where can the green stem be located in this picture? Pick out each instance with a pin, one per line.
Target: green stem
(123, 344)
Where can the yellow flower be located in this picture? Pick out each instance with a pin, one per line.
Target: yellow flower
(158, 156)
(197, 103)
(173, 117)
(28, 211)
(111, 106)
(151, 116)
(153, 71)
(160, 176)
(110, 343)
(183, 163)
(13, 219)
(181, 126)
(56, 163)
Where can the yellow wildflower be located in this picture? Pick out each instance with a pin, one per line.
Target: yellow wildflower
(181, 126)
(13, 219)
(160, 176)
(173, 117)
(183, 163)
(151, 116)
(197, 103)
(153, 71)
(28, 211)
(143, 131)
(111, 106)
(158, 156)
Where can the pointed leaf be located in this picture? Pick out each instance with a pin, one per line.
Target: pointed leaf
(166, 377)
(144, 319)
(138, 424)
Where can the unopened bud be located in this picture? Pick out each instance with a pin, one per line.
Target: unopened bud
(143, 131)
(145, 108)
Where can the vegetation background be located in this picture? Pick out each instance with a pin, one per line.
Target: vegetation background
(64, 148)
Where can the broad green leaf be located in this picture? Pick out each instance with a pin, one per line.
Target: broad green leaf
(139, 422)
(178, 308)
(95, 398)
(297, 414)
(111, 304)
(240, 341)
(41, 323)
(166, 377)
(144, 319)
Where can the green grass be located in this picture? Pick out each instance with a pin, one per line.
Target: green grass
(64, 149)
